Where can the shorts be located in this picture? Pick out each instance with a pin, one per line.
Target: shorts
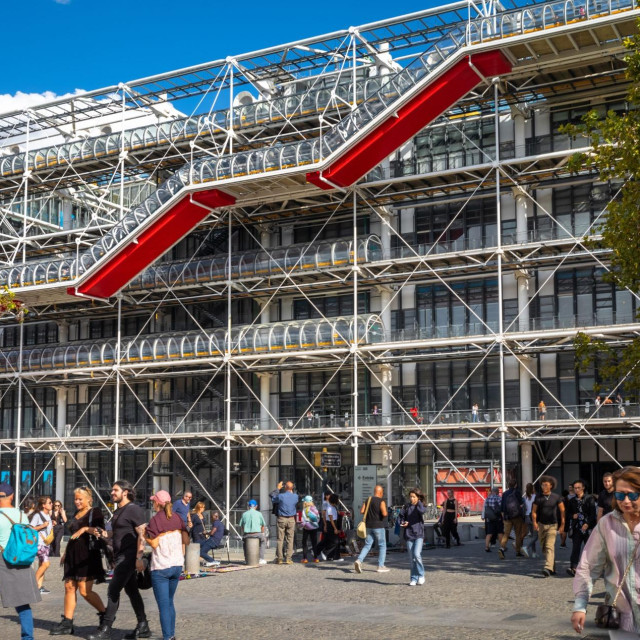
(43, 554)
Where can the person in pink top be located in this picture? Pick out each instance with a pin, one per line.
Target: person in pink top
(611, 548)
(166, 534)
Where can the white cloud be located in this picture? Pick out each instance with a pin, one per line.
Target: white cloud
(21, 100)
(62, 1)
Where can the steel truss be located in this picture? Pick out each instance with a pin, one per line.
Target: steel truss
(106, 163)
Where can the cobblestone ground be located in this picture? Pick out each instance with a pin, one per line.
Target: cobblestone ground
(468, 594)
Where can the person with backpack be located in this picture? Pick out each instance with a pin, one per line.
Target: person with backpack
(582, 518)
(18, 542)
(41, 520)
(492, 516)
(513, 508)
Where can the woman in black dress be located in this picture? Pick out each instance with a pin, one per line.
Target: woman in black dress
(59, 519)
(82, 560)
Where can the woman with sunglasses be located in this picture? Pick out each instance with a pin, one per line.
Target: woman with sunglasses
(611, 548)
(59, 519)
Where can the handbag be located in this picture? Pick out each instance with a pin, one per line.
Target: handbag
(361, 529)
(143, 578)
(607, 615)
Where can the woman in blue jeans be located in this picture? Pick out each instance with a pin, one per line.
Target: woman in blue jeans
(167, 535)
(411, 519)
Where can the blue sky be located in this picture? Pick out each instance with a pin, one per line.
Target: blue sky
(63, 45)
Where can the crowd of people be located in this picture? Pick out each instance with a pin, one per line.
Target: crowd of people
(604, 531)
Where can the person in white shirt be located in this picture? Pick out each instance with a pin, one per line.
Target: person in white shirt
(41, 520)
(529, 496)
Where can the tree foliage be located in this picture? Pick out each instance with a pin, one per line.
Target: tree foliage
(9, 305)
(615, 155)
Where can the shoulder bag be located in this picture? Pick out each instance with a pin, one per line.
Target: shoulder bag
(607, 615)
(361, 530)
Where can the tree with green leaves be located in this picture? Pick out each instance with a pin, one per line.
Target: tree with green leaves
(615, 155)
(10, 306)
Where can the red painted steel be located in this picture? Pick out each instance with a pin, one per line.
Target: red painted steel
(390, 134)
(154, 241)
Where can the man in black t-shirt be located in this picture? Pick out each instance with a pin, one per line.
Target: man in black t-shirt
(605, 496)
(127, 531)
(544, 516)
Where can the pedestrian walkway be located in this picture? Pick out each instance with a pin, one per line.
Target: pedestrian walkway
(468, 594)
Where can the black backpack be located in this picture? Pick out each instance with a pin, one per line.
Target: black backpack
(513, 505)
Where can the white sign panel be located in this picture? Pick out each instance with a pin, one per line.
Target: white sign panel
(365, 478)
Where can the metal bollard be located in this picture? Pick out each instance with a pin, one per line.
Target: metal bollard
(252, 552)
(192, 558)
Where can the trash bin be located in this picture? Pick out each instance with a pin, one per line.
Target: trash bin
(252, 551)
(192, 558)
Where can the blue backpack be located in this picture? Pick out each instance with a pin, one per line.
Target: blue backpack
(22, 546)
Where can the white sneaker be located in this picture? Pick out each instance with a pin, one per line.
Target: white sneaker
(323, 557)
(263, 561)
(525, 552)
(340, 560)
(421, 580)
(413, 583)
(357, 565)
(213, 563)
(534, 554)
(382, 570)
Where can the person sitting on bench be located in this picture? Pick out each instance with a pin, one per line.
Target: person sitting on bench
(213, 541)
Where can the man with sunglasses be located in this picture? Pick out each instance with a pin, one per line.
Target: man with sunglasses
(582, 519)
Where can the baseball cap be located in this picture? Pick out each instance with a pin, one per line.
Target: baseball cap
(308, 499)
(161, 497)
(252, 503)
(6, 490)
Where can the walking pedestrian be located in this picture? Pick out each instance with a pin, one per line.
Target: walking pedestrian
(127, 532)
(329, 549)
(82, 560)
(529, 497)
(544, 516)
(252, 525)
(167, 536)
(286, 503)
(18, 586)
(513, 513)
(309, 522)
(492, 516)
(375, 520)
(582, 519)
(41, 520)
(412, 521)
(59, 519)
(613, 551)
(605, 497)
(450, 519)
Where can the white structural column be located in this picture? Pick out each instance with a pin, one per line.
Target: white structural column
(265, 398)
(265, 503)
(386, 371)
(387, 467)
(526, 462)
(386, 374)
(61, 473)
(61, 428)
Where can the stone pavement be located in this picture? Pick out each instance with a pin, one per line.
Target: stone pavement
(468, 594)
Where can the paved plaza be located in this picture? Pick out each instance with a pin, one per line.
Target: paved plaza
(468, 594)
